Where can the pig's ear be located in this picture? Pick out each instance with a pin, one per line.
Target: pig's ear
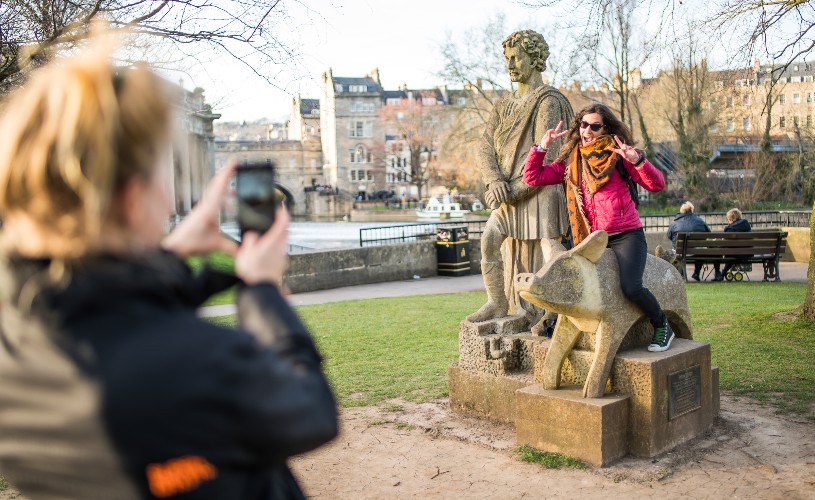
(593, 246)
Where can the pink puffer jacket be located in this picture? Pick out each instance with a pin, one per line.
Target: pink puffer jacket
(611, 208)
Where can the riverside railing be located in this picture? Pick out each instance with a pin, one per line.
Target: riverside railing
(388, 235)
(399, 233)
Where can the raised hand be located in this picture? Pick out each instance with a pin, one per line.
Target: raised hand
(550, 135)
(626, 151)
(200, 232)
(263, 258)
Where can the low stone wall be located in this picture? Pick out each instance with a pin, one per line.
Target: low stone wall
(798, 244)
(326, 269)
(321, 270)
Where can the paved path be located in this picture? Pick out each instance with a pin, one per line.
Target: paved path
(790, 271)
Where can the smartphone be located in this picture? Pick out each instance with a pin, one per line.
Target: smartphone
(256, 190)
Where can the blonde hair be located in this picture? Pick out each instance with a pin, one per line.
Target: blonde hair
(733, 215)
(71, 138)
(686, 207)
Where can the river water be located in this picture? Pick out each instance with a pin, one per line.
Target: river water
(305, 236)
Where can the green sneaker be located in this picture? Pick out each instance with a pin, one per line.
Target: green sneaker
(663, 336)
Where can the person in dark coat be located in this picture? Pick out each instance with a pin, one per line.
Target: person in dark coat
(688, 222)
(112, 387)
(737, 224)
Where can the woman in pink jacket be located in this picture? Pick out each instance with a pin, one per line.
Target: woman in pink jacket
(598, 198)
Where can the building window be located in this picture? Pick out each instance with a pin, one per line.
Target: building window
(358, 88)
(782, 99)
(796, 120)
(796, 98)
(730, 127)
(393, 101)
(729, 102)
(370, 174)
(356, 107)
(353, 175)
(359, 155)
(745, 100)
(809, 96)
(782, 122)
(369, 107)
(745, 123)
(809, 121)
(357, 129)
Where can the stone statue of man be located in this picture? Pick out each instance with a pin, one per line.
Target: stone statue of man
(534, 218)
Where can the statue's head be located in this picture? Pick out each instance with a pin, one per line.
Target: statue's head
(528, 45)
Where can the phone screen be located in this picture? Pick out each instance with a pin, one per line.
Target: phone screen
(257, 199)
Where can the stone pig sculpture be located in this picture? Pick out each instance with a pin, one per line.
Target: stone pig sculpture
(582, 285)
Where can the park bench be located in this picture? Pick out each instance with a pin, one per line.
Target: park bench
(765, 247)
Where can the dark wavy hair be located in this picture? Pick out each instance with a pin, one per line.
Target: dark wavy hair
(613, 126)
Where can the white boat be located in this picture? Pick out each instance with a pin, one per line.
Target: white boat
(441, 208)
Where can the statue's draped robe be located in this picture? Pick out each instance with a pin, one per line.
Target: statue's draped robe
(516, 123)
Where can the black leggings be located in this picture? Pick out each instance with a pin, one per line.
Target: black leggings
(631, 250)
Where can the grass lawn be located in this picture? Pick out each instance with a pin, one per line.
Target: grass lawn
(221, 262)
(401, 347)
(762, 354)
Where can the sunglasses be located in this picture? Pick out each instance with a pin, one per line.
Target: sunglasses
(595, 127)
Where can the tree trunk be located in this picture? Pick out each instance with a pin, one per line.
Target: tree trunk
(808, 310)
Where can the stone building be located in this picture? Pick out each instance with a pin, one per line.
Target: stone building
(412, 118)
(351, 133)
(194, 150)
(304, 120)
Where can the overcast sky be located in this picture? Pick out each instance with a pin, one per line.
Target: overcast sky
(402, 39)
(352, 37)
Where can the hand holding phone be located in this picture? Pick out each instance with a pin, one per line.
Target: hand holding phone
(257, 195)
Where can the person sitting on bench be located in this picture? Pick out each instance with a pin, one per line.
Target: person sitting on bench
(688, 222)
(736, 225)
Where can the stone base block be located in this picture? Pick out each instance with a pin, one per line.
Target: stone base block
(482, 395)
(655, 426)
(563, 421)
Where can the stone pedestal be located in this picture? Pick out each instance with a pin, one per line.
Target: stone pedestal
(594, 430)
(486, 396)
(668, 397)
(655, 424)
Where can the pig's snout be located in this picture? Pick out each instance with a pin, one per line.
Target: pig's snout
(528, 282)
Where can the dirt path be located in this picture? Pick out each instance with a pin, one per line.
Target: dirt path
(402, 450)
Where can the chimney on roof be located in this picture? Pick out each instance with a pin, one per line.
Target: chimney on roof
(478, 83)
(375, 76)
(757, 65)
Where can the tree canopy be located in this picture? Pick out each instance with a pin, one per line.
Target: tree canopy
(32, 31)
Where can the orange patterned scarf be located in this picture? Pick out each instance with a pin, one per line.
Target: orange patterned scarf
(592, 164)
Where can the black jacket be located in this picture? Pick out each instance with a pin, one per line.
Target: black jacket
(686, 223)
(113, 388)
(739, 226)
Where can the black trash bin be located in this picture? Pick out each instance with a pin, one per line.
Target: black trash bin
(453, 251)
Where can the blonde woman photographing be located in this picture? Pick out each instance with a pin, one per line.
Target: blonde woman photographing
(112, 387)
